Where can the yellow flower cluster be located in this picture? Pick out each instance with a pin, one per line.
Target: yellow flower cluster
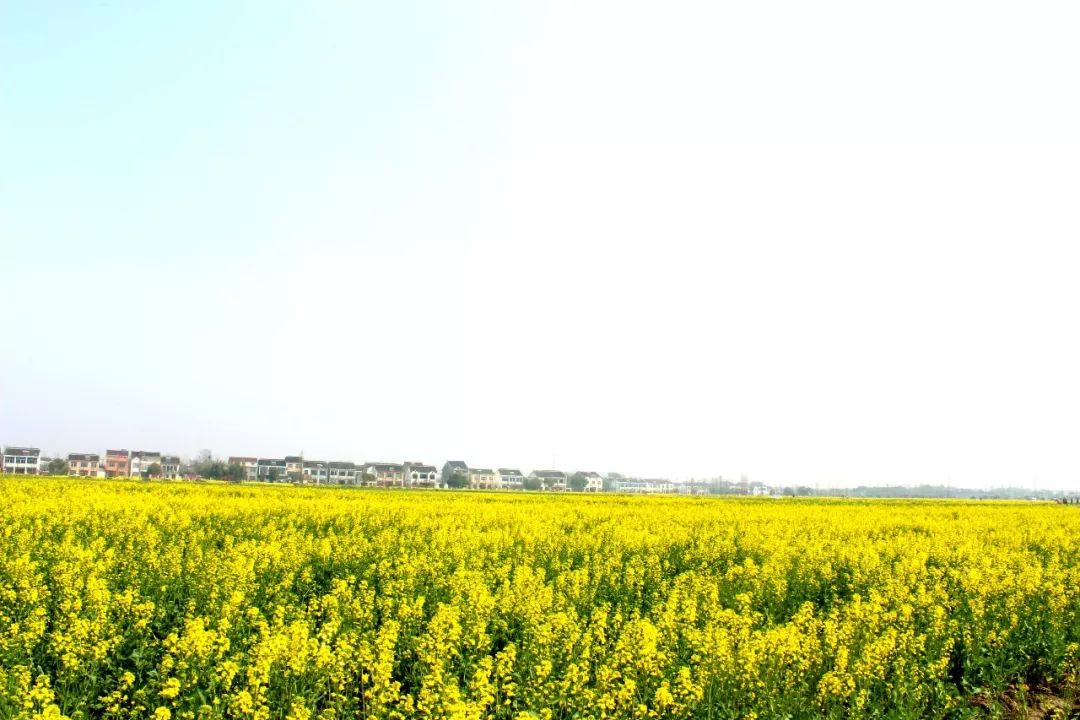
(127, 600)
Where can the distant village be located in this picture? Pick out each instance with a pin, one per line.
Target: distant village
(454, 474)
(297, 469)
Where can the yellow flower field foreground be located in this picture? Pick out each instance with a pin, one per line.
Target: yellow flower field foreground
(132, 600)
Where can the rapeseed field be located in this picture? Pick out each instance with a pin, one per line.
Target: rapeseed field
(128, 599)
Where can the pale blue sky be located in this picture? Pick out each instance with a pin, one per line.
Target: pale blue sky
(806, 242)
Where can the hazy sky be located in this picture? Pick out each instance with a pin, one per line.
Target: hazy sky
(809, 242)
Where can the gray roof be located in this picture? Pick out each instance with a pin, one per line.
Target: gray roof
(456, 465)
(170, 459)
(145, 454)
(293, 458)
(22, 451)
(423, 468)
(83, 457)
(549, 474)
(343, 465)
(385, 467)
(115, 453)
(509, 471)
(271, 462)
(482, 471)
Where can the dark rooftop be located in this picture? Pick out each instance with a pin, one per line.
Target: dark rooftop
(22, 451)
(549, 474)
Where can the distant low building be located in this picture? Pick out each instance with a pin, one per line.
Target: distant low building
(483, 479)
(294, 467)
(342, 473)
(21, 460)
(83, 464)
(315, 471)
(271, 470)
(511, 478)
(117, 463)
(642, 487)
(170, 467)
(141, 462)
(590, 481)
(249, 464)
(386, 474)
(452, 468)
(419, 474)
(550, 479)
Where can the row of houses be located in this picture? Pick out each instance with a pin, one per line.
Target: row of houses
(117, 463)
(294, 468)
(297, 469)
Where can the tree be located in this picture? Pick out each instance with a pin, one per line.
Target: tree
(273, 475)
(235, 472)
(154, 470)
(58, 466)
(214, 469)
(531, 483)
(457, 481)
(577, 482)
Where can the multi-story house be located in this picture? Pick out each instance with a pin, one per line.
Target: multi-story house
(419, 474)
(342, 473)
(483, 479)
(249, 464)
(83, 464)
(141, 460)
(170, 467)
(117, 463)
(511, 478)
(642, 487)
(550, 479)
(315, 471)
(21, 460)
(593, 481)
(294, 467)
(271, 470)
(452, 468)
(386, 474)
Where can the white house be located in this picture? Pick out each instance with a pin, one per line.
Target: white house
(593, 482)
(141, 460)
(511, 478)
(386, 474)
(342, 473)
(642, 487)
(316, 471)
(21, 460)
(421, 475)
(550, 479)
(170, 467)
(271, 469)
